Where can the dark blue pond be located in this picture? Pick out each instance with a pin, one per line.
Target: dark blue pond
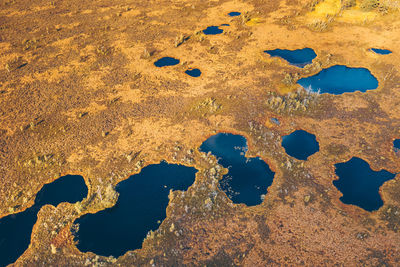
(300, 144)
(248, 178)
(381, 51)
(298, 57)
(193, 72)
(166, 61)
(340, 79)
(234, 14)
(359, 184)
(225, 25)
(141, 206)
(212, 30)
(16, 229)
(396, 145)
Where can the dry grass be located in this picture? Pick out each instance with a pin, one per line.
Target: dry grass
(350, 11)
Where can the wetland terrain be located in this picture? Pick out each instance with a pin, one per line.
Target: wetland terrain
(201, 133)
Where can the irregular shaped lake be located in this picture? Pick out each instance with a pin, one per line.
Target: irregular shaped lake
(234, 14)
(340, 79)
(193, 72)
(166, 61)
(16, 229)
(248, 178)
(359, 184)
(213, 30)
(300, 144)
(140, 207)
(396, 145)
(381, 51)
(298, 57)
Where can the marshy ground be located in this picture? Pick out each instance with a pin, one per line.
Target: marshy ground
(80, 94)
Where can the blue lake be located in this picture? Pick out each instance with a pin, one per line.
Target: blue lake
(298, 57)
(16, 229)
(396, 144)
(359, 184)
(213, 30)
(141, 207)
(381, 51)
(340, 79)
(166, 61)
(193, 72)
(300, 144)
(234, 14)
(248, 178)
(225, 25)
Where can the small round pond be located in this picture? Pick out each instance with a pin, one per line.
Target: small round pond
(248, 178)
(193, 72)
(381, 51)
(16, 229)
(213, 30)
(141, 207)
(359, 184)
(298, 57)
(234, 14)
(275, 121)
(166, 61)
(340, 79)
(300, 144)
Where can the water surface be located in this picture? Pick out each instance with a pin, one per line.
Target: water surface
(396, 145)
(340, 79)
(300, 144)
(193, 72)
(248, 178)
(141, 207)
(213, 30)
(275, 121)
(298, 57)
(234, 14)
(359, 184)
(166, 61)
(16, 229)
(381, 51)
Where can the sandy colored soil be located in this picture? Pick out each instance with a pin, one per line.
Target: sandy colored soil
(79, 94)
